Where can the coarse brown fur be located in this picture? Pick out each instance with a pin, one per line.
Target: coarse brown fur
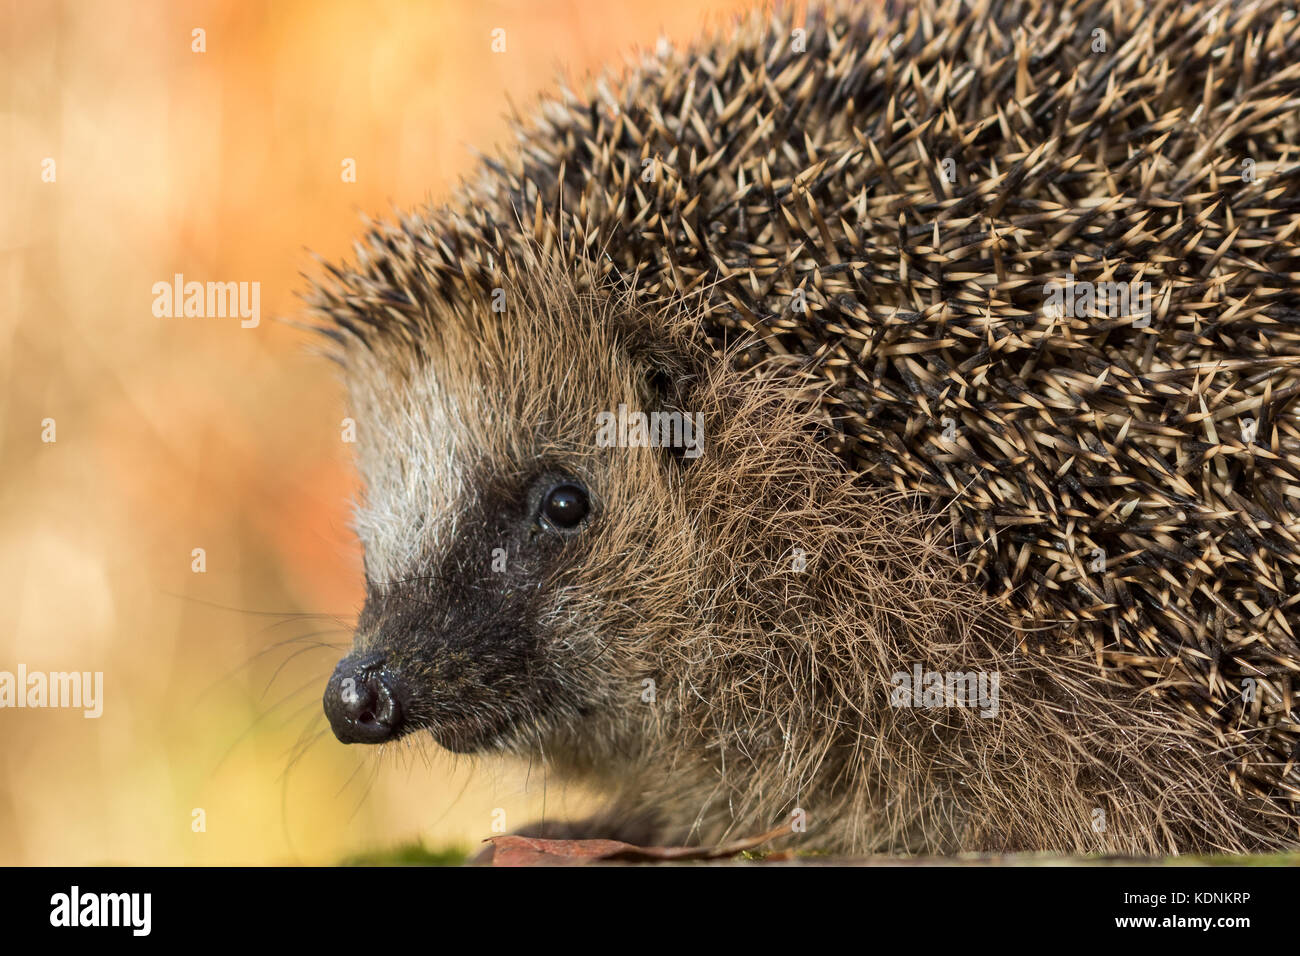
(921, 466)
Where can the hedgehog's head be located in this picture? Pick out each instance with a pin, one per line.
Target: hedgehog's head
(539, 581)
(510, 534)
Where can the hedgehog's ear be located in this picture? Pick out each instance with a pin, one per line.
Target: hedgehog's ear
(670, 370)
(669, 376)
(663, 343)
(667, 360)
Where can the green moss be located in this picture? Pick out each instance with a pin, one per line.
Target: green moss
(413, 853)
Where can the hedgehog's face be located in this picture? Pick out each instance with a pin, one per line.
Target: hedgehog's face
(500, 540)
(461, 643)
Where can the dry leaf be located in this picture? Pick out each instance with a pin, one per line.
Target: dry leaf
(532, 851)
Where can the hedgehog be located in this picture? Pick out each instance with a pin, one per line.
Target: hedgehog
(881, 424)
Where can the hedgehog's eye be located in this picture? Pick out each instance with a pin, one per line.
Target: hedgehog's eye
(565, 505)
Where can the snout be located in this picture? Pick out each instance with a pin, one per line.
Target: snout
(364, 701)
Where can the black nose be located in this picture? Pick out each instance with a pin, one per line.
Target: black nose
(363, 701)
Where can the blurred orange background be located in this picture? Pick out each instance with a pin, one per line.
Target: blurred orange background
(182, 433)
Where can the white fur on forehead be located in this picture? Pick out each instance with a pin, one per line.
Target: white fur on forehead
(487, 394)
(415, 448)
